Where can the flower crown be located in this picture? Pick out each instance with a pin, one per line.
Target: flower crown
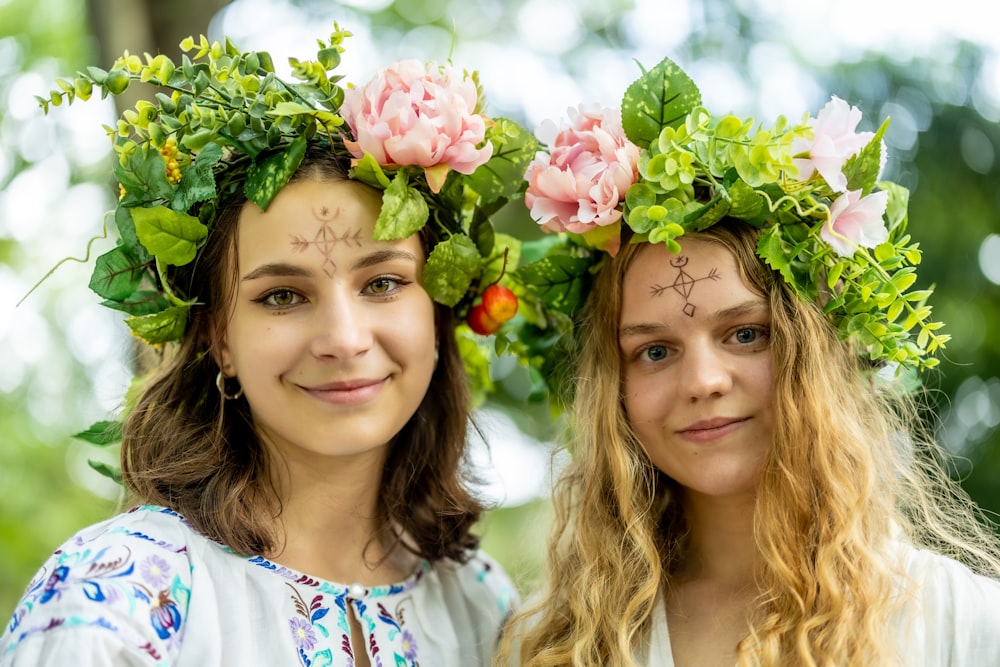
(223, 120)
(665, 166)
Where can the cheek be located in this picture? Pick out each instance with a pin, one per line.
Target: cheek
(640, 397)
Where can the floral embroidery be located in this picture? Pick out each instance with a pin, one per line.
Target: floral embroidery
(304, 626)
(110, 575)
(125, 579)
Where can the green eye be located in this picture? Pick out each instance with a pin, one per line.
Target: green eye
(282, 298)
(380, 285)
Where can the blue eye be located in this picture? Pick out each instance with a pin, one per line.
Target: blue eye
(655, 352)
(747, 335)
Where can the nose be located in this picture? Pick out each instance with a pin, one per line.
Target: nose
(706, 372)
(343, 330)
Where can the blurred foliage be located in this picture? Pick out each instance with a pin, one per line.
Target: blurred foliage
(941, 146)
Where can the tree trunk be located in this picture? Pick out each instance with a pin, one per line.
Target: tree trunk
(146, 26)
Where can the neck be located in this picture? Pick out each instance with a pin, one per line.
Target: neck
(335, 502)
(720, 543)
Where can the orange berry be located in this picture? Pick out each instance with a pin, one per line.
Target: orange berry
(480, 322)
(500, 303)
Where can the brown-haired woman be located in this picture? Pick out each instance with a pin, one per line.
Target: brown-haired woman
(296, 465)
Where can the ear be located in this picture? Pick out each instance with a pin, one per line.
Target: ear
(218, 347)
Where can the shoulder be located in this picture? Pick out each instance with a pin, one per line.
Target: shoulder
(955, 613)
(480, 582)
(120, 587)
(941, 578)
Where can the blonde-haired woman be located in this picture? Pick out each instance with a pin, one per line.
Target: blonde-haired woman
(744, 488)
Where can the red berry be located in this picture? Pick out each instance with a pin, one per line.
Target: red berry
(480, 322)
(500, 303)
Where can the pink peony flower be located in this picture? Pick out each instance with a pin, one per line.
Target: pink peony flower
(856, 221)
(412, 114)
(582, 181)
(834, 141)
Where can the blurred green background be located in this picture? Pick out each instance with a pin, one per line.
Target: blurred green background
(935, 69)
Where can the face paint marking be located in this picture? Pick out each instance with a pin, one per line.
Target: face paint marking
(326, 240)
(684, 283)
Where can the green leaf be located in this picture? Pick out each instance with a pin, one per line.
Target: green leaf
(895, 210)
(450, 269)
(502, 176)
(171, 236)
(481, 231)
(863, 168)
(746, 203)
(771, 250)
(833, 275)
(140, 302)
(404, 210)
(112, 472)
(144, 177)
(560, 281)
(161, 327)
(126, 231)
(476, 360)
(368, 170)
(198, 181)
(494, 266)
(117, 274)
(266, 177)
(903, 280)
(290, 109)
(101, 433)
(661, 97)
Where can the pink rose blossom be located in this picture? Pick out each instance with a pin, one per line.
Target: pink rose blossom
(581, 183)
(412, 114)
(856, 221)
(834, 141)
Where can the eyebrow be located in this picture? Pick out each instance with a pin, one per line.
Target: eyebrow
(286, 270)
(753, 306)
(382, 256)
(278, 270)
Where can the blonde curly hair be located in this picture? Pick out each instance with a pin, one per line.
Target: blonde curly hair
(850, 471)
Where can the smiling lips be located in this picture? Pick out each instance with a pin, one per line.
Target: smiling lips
(708, 430)
(350, 392)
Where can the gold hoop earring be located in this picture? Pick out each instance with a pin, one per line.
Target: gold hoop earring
(220, 384)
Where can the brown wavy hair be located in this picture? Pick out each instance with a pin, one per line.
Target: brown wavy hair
(850, 471)
(186, 448)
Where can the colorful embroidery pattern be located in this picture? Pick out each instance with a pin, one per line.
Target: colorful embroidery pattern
(128, 583)
(119, 584)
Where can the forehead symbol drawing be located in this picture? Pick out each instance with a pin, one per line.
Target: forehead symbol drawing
(684, 283)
